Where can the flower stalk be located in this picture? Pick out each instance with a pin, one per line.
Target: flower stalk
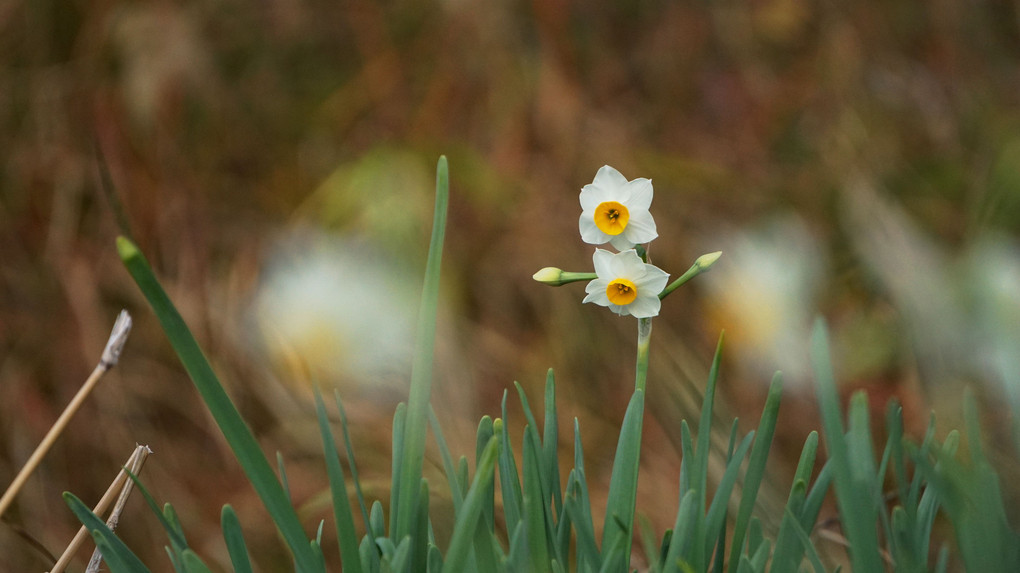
(701, 264)
(643, 340)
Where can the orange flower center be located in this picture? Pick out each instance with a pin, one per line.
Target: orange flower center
(621, 292)
(611, 217)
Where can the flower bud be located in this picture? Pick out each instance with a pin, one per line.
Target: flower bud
(704, 262)
(549, 275)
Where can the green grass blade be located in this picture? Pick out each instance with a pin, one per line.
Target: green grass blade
(619, 522)
(115, 553)
(350, 458)
(550, 443)
(456, 493)
(535, 518)
(687, 517)
(687, 459)
(347, 538)
(698, 471)
(463, 532)
(370, 561)
(421, 535)
(435, 564)
(578, 511)
(399, 418)
(234, 538)
(246, 449)
(853, 493)
(789, 550)
(282, 472)
(809, 548)
(484, 543)
(193, 563)
(806, 464)
(756, 466)
(167, 518)
(760, 556)
(715, 520)
(174, 523)
(485, 433)
(582, 518)
(813, 502)
(509, 479)
(413, 452)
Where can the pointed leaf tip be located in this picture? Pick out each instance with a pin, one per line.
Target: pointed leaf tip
(126, 249)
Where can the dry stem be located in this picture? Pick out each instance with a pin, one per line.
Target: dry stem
(111, 353)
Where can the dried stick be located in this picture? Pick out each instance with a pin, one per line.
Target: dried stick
(111, 354)
(134, 465)
(97, 556)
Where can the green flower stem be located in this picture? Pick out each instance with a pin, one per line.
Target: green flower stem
(569, 277)
(702, 264)
(644, 336)
(618, 529)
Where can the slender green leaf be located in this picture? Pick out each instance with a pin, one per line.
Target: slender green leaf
(715, 520)
(234, 538)
(687, 517)
(534, 505)
(509, 480)
(482, 436)
(350, 457)
(699, 469)
(853, 494)
(463, 531)
(399, 418)
(246, 449)
(421, 535)
(413, 452)
(577, 508)
(370, 562)
(347, 538)
(619, 522)
(550, 443)
(436, 560)
(756, 466)
(809, 548)
(456, 493)
(115, 553)
(193, 563)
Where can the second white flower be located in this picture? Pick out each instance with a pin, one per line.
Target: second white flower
(626, 284)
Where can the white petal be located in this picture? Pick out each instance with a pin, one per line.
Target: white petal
(603, 261)
(645, 306)
(621, 242)
(640, 193)
(596, 285)
(620, 310)
(590, 233)
(640, 228)
(629, 265)
(653, 281)
(592, 195)
(623, 264)
(610, 178)
(597, 293)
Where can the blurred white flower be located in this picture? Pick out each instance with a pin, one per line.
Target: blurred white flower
(615, 210)
(765, 296)
(626, 284)
(337, 309)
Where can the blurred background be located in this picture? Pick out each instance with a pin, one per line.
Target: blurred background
(275, 161)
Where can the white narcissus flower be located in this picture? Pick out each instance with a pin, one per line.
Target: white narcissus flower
(615, 210)
(626, 284)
